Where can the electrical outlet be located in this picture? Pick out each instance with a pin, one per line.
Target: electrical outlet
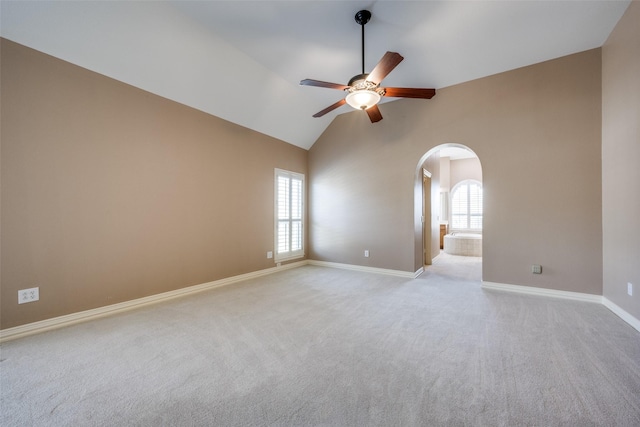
(630, 288)
(28, 295)
(536, 269)
(269, 254)
(366, 253)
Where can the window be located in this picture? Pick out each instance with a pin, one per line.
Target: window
(289, 194)
(466, 206)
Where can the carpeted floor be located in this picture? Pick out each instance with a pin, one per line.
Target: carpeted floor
(316, 346)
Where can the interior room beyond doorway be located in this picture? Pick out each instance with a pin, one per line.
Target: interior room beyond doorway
(458, 210)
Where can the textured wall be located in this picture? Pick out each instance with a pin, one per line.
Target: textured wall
(621, 161)
(110, 193)
(537, 133)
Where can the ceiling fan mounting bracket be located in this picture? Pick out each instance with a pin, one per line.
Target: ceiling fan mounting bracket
(362, 17)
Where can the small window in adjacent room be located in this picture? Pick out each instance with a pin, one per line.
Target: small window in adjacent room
(289, 195)
(466, 206)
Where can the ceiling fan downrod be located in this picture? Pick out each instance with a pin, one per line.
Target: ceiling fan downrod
(362, 17)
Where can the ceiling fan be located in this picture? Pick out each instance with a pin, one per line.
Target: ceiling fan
(363, 90)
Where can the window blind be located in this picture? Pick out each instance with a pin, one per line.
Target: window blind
(466, 206)
(289, 215)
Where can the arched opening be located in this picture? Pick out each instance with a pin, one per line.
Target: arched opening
(448, 206)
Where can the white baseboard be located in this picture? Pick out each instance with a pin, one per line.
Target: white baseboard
(635, 323)
(83, 316)
(398, 273)
(577, 296)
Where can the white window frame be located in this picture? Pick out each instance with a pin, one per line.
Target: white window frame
(290, 252)
(455, 188)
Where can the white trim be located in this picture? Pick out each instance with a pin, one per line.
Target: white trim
(398, 273)
(576, 296)
(621, 313)
(96, 313)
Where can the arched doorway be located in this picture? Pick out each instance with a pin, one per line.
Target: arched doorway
(442, 169)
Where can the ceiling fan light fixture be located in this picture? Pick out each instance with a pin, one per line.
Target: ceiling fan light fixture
(363, 99)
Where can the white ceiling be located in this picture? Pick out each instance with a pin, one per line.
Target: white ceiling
(243, 60)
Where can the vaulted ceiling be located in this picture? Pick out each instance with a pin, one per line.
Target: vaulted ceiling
(243, 60)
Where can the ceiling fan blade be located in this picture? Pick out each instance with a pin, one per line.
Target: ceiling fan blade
(388, 62)
(330, 108)
(407, 92)
(374, 114)
(318, 83)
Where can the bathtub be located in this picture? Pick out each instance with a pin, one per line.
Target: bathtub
(466, 244)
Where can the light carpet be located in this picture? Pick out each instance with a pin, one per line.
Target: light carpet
(317, 346)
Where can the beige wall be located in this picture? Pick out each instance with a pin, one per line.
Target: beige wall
(445, 175)
(621, 161)
(462, 169)
(537, 133)
(110, 193)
